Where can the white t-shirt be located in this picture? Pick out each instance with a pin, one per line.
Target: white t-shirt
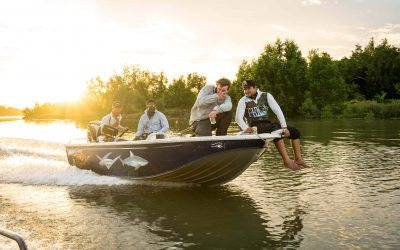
(110, 120)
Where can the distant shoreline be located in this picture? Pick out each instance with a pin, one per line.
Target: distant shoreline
(13, 117)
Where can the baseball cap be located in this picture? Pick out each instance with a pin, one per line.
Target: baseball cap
(116, 104)
(248, 83)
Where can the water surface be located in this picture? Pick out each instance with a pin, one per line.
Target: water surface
(349, 199)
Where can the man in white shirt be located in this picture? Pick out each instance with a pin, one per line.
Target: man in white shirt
(254, 106)
(113, 119)
(152, 121)
(212, 109)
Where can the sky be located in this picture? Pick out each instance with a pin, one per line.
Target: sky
(50, 49)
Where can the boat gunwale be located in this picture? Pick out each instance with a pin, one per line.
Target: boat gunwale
(264, 136)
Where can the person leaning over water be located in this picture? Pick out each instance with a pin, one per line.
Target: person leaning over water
(152, 121)
(212, 104)
(113, 119)
(254, 107)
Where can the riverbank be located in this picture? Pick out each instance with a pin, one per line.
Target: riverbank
(173, 113)
(349, 110)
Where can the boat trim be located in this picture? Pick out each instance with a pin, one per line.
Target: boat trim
(265, 136)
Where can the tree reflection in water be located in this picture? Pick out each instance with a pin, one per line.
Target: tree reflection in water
(200, 218)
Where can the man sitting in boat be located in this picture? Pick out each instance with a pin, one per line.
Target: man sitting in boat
(152, 121)
(112, 120)
(212, 109)
(254, 107)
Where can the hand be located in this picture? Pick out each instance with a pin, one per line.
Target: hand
(286, 132)
(249, 130)
(213, 114)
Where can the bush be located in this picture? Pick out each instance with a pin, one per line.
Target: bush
(326, 113)
(372, 109)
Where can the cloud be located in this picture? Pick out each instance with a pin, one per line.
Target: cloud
(280, 27)
(360, 28)
(311, 2)
(389, 31)
(331, 47)
(216, 55)
(387, 28)
(5, 58)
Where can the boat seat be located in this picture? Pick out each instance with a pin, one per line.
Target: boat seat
(93, 131)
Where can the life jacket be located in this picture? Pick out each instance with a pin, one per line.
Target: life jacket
(257, 112)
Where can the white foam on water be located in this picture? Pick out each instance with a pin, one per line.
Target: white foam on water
(37, 162)
(32, 150)
(35, 170)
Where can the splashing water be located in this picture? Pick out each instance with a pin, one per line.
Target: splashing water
(37, 162)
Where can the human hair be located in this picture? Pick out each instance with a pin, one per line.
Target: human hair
(223, 82)
(150, 101)
(116, 104)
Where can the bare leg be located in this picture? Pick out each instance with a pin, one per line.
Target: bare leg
(280, 145)
(296, 149)
(297, 153)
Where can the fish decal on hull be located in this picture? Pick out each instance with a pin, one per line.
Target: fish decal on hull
(134, 161)
(106, 162)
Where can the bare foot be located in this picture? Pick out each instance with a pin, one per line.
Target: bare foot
(302, 163)
(292, 165)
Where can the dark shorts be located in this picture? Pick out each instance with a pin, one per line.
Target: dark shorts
(268, 127)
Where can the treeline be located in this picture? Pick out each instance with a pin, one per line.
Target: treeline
(133, 88)
(366, 85)
(319, 86)
(9, 111)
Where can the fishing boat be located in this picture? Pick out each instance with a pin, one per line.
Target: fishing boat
(206, 160)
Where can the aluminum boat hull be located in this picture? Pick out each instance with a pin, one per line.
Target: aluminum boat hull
(210, 160)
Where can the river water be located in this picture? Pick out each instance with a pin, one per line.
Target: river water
(349, 199)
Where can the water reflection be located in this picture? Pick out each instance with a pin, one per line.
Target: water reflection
(378, 131)
(216, 218)
(349, 199)
(44, 130)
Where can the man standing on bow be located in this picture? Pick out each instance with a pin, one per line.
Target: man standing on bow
(212, 109)
(254, 106)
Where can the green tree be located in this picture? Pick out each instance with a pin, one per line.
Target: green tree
(195, 82)
(373, 69)
(133, 88)
(397, 87)
(179, 94)
(281, 70)
(327, 87)
(245, 72)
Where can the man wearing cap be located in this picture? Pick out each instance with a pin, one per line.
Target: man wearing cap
(254, 107)
(152, 121)
(212, 109)
(113, 119)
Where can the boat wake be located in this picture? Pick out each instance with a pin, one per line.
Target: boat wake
(30, 161)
